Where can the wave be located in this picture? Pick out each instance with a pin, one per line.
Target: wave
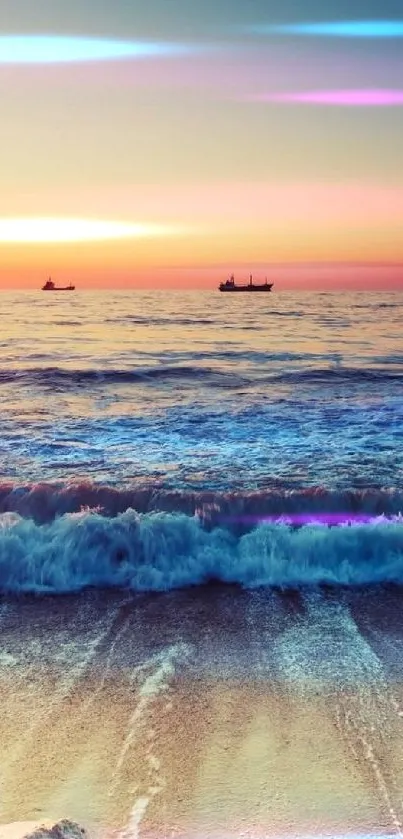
(396, 358)
(146, 320)
(59, 376)
(162, 551)
(338, 373)
(54, 376)
(45, 501)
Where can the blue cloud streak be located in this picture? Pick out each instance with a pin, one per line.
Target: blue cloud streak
(338, 29)
(50, 49)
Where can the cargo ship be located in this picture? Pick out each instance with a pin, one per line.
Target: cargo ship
(230, 285)
(50, 286)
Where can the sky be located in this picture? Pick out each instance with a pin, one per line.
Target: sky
(167, 143)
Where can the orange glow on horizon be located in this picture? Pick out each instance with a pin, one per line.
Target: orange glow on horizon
(192, 227)
(112, 271)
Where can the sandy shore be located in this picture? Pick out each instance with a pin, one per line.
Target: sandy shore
(17, 830)
(205, 714)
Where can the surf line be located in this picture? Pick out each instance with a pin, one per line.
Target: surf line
(79, 656)
(154, 684)
(346, 669)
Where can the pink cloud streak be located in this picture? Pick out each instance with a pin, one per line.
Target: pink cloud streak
(349, 98)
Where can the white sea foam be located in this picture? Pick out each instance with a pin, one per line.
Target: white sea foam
(158, 552)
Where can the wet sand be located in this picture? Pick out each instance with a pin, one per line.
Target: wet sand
(212, 712)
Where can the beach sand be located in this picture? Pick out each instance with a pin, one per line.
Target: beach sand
(213, 712)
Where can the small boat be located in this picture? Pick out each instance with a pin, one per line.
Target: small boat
(229, 285)
(50, 286)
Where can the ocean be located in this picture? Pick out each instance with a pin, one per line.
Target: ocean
(201, 562)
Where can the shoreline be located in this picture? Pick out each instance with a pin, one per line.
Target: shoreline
(202, 714)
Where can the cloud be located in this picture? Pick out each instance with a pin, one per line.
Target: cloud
(38, 230)
(346, 98)
(49, 49)
(338, 29)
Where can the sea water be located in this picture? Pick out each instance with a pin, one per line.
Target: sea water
(203, 390)
(200, 521)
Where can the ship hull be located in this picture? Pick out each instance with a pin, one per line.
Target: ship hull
(249, 288)
(67, 288)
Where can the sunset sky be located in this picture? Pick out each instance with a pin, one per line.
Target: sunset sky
(168, 142)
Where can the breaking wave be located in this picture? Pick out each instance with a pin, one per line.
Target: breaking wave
(162, 551)
(46, 501)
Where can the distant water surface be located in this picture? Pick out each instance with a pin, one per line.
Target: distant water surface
(203, 390)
